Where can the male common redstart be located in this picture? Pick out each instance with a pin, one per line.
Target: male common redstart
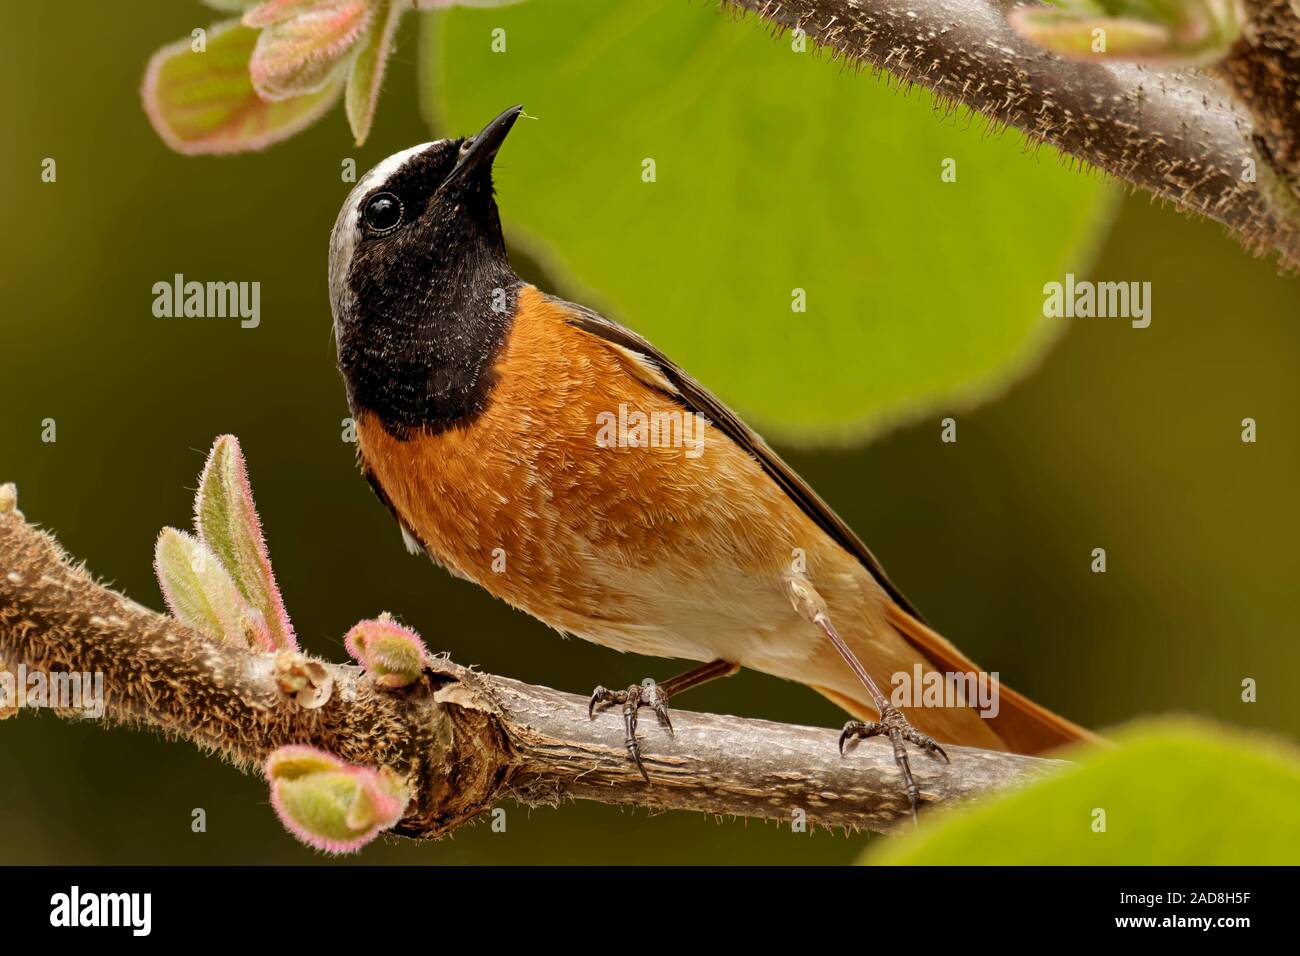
(479, 404)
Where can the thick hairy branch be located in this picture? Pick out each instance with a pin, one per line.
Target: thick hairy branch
(462, 740)
(1178, 134)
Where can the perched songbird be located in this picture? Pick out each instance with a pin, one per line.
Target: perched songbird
(562, 462)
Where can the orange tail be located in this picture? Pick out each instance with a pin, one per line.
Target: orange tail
(1025, 727)
(1021, 725)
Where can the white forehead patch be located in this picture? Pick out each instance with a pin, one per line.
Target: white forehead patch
(345, 227)
(343, 239)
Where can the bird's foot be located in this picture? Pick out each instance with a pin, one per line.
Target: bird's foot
(645, 694)
(895, 726)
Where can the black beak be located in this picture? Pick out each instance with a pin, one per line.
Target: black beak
(482, 148)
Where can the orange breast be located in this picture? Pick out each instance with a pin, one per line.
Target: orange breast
(531, 502)
(671, 549)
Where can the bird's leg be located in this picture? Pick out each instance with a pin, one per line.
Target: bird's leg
(655, 696)
(646, 693)
(892, 723)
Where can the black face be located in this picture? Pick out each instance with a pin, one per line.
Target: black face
(427, 295)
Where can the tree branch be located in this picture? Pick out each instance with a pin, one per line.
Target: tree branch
(462, 739)
(1177, 134)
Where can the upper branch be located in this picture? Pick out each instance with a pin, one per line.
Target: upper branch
(1178, 134)
(461, 739)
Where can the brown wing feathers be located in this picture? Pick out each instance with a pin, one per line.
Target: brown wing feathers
(698, 398)
(1025, 726)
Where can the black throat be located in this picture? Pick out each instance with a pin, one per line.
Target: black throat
(429, 312)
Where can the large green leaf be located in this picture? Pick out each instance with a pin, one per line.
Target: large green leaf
(775, 171)
(204, 102)
(1173, 793)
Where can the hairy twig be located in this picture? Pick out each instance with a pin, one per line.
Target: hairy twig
(1179, 135)
(462, 740)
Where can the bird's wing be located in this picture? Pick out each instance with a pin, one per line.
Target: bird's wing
(662, 372)
(1026, 727)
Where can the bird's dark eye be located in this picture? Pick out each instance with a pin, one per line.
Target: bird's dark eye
(383, 213)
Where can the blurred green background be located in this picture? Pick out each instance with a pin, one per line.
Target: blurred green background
(1117, 438)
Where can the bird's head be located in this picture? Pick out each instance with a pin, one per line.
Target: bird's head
(420, 283)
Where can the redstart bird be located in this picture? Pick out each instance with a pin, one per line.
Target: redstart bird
(485, 417)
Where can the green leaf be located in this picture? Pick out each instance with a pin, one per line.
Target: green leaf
(276, 11)
(230, 6)
(331, 805)
(294, 761)
(1174, 792)
(395, 655)
(204, 103)
(226, 520)
(1094, 38)
(306, 53)
(202, 595)
(1167, 32)
(367, 74)
(775, 171)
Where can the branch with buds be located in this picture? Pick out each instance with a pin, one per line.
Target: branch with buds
(404, 741)
(1110, 82)
(1113, 91)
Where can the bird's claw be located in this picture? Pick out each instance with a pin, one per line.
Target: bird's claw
(895, 726)
(645, 694)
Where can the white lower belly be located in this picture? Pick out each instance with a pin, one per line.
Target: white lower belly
(729, 616)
